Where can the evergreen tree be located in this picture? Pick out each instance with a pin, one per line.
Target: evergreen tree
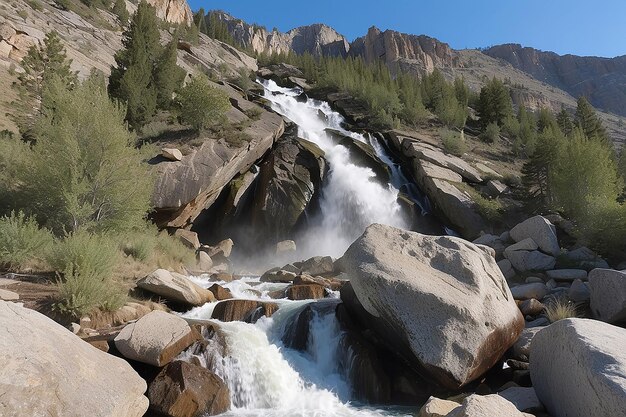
(564, 121)
(545, 120)
(119, 10)
(168, 77)
(145, 75)
(494, 104)
(40, 65)
(587, 120)
(199, 19)
(527, 132)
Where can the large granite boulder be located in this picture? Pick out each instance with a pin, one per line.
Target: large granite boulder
(156, 338)
(48, 371)
(608, 294)
(243, 310)
(540, 230)
(430, 153)
(486, 406)
(530, 260)
(182, 389)
(578, 368)
(442, 301)
(175, 287)
(290, 178)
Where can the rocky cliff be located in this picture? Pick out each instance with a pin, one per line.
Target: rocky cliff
(602, 80)
(315, 39)
(405, 52)
(173, 11)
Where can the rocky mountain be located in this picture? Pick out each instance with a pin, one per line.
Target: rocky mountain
(174, 11)
(602, 80)
(316, 39)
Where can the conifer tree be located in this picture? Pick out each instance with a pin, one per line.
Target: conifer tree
(538, 171)
(168, 77)
(587, 120)
(494, 104)
(119, 10)
(564, 121)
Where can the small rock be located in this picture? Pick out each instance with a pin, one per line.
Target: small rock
(6, 295)
(486, 406)
(188, 238)
(526, 244)
(220, 292)
(155, 339)
(182, 389)
(318, 265)
(523, 260)
(528, 291)
(541, 231)
(521, 348)
(506, 268)
(579, 292)
(534, 280)
(436, 407)
(495, 188)
(278, 276)
(305, 292)
(540, 322)
(551, 284)
(172, 154)
(531, 307)
(75, 328)
(222, 250)
(176, 288)
(567, 274)
(203, 261)
(524, 399)
(243, 310)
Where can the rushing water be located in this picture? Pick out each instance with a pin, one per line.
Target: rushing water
(351, 200)
(266, 378)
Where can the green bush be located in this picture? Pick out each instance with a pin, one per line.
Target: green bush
(119, 10)
(81, 293)
(491, 133)
(201, 105)
(22, 241)
(170, 247)
(140, 244)
(453, 142)
(85, 254)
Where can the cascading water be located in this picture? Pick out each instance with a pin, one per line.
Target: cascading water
(350, 200)
(266, 378)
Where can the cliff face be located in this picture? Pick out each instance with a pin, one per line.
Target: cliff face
(602, 80)
(401, 51)
(173, 11)
(315, 39)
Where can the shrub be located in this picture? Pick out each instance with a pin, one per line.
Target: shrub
(140, 244)
(560, 309)
(85, 254)
(453, 142)
(243, 80)
(491, 133)
(254, 113)
(35, 4)
(22, 241)
(119, 10)
(172, 252)
(201, 105)
(81, 293)
(83, 171)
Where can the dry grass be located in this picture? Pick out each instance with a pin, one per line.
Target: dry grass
(560, 309)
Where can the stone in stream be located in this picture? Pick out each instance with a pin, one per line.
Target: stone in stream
(278, 275)
(182, 389)
(49, 371)
(155, 339)
(243, 310)
(305, 292)
(220, 292)
(578, 368)
(436, 407)
(441, 301)
(318, 265)
(175, 287)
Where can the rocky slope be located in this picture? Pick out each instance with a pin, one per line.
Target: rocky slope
(602, 80)
(315, 39)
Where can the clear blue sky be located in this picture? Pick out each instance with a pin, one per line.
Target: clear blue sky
(581, 27)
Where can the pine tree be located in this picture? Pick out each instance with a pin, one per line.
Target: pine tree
(40, 65)
(119, 10)
(587, 120)
(168, 77)
(564, 121)
(199, 19)
(494, 104)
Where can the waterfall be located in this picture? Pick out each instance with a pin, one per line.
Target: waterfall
(350, 199)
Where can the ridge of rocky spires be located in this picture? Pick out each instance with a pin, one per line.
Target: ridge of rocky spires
(401, 51)
(317, 39)
(173, 11)
(594, 77)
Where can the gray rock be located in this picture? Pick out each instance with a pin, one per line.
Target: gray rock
(528, 291)
(586, 258)
(579, 291)
(278, 276)
(495, 188)
(531, 307)
(608, 294)
(172, 154)
(48, 371)
(534, 280)
(175, 287)
(541, 231)
(523, 260)
(578, 368)
(493, 242)
(436, 407)
(521, 348)
(526, 244)
(540, 322)
(431, 170)
(486, 406)
(523, 398)
(318, 265)
(156, 338)
(188, 238)
(434, 293)
(432, 154)
(506, 268)
(567, 274)
(285, 246)
(505, 237)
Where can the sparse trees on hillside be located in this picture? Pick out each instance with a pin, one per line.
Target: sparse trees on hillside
(168, 77)
(564, 121)
(587, 120)
(442, 98)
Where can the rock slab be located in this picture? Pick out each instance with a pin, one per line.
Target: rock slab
(578, 368)
(48, 371)
(608, 294)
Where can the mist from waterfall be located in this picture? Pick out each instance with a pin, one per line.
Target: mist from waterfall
(351, 199)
